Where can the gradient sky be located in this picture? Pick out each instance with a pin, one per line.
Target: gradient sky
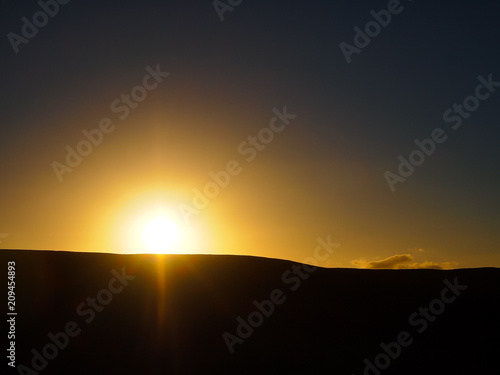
(323, 175)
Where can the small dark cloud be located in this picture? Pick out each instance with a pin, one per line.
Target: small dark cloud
(402, 261)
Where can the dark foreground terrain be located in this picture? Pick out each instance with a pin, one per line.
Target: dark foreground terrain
(185, 314)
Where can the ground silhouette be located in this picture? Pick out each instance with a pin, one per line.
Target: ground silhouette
(179, 314)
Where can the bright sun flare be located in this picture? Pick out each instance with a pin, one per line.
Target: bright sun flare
(160, 234)
(158, 230)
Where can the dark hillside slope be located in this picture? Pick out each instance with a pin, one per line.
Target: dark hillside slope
(171, 318)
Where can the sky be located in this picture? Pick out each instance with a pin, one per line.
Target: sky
(266, 128)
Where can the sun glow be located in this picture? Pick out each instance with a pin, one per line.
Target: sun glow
(158, 230)
(160, 234)
(150, 221)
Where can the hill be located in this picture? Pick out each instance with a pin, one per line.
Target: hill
(96, 313)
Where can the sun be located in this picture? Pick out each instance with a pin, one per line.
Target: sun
(160, 234)
(150, 222)
(157, 230)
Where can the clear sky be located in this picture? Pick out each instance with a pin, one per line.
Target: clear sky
(372, 123)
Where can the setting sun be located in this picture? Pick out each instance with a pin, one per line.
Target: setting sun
(160, 234)
(156, 229)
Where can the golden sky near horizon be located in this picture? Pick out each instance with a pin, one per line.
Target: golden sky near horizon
(276, 206)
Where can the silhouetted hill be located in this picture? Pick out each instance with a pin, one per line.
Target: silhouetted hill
(172, 317)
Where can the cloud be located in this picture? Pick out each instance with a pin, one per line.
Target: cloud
(431, 265)
(402, 261)
(423, 265)
(391, 262)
